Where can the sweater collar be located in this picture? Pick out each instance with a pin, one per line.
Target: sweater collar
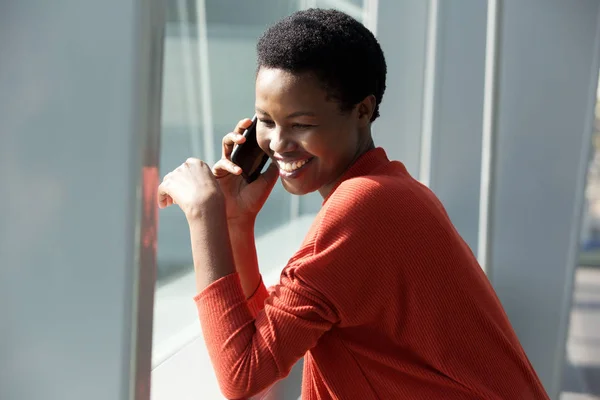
(364, 165)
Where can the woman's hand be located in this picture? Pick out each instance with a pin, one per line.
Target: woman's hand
(193, 188)
(243, 201)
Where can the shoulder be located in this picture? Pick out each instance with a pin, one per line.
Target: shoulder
(364, 196)
(359, 206)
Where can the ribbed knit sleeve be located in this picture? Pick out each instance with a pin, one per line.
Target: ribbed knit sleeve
(250, 354)
(256, 302)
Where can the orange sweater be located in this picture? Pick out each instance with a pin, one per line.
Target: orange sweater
(384, 300)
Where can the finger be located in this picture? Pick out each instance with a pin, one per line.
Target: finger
(192, 160)
(243, 125)
(224, 167)
(229, 141)
(165, 201)
(163, 197)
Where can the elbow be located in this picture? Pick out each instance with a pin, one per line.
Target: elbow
(235, 394)
(236, 390)
(244, 380)
(232, 393)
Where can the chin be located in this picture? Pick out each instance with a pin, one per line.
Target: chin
(296, 189)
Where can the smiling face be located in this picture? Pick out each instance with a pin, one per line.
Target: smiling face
(304, 131)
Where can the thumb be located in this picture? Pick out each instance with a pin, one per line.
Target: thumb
(270, 175)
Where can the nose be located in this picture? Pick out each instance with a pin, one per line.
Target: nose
(280, 141)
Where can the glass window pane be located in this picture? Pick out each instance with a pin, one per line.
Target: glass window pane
(223, 72)
(581, 370)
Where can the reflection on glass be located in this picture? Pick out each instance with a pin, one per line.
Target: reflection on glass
(581, 375)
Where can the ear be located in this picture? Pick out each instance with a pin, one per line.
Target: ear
(366, 108)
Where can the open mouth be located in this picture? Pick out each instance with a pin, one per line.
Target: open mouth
(292, 169)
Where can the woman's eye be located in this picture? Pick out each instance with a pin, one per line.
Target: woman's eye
(267, 123)
(302, 126)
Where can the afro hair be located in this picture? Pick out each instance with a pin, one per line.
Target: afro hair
(340, 51)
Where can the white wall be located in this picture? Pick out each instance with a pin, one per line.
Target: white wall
(78, 103)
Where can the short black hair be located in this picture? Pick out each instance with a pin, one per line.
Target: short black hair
(342, 53)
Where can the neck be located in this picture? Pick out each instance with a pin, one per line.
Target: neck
(367, 145)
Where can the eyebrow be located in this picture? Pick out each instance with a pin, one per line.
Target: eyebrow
(292, 115)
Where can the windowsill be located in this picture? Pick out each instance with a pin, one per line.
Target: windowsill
(175, 317)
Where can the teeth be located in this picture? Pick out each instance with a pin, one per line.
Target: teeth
(289, 167)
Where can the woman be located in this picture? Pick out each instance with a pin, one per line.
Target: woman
(384, 300)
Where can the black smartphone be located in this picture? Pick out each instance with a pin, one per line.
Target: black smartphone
(248, 156)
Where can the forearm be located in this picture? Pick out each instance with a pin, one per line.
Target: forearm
(211, 247)
(244, 255)
(250, 354)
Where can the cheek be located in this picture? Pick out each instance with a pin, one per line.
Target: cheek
(263, 140)
(332, 142)
(313, 142)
